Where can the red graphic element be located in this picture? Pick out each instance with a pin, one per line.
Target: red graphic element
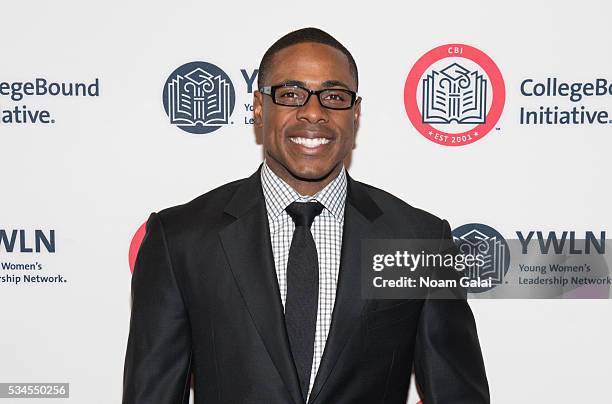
(135, 245)
(416, 73)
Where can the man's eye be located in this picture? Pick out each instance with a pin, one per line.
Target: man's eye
(289, 94)
(335, 96)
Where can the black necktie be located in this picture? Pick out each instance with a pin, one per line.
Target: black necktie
(302, 289)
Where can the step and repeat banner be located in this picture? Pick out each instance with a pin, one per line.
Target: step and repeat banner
(497, 117)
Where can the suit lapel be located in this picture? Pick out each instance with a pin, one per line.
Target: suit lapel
(246, 243)
(360, 211)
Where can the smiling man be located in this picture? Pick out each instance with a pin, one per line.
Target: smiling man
(311, 113)
(254, 288)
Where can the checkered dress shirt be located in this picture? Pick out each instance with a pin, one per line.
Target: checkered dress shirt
(327, 233)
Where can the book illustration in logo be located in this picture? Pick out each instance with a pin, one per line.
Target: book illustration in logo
(479, 239)
(199, 97)
(454, 94)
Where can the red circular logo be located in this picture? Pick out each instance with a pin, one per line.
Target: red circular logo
(454, 95)
(135, 245)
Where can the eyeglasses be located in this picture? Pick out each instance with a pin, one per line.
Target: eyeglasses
(297, 96)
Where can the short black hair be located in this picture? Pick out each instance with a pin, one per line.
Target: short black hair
(301, 36)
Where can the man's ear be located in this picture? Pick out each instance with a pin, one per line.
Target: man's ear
(258, 108)
(357, 111)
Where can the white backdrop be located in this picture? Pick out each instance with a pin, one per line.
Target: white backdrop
(95, 174)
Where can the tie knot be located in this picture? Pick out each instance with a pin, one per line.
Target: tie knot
(303, 213)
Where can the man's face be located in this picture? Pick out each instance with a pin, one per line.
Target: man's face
(317, 66)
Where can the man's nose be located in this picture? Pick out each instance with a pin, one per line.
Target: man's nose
(313, 111)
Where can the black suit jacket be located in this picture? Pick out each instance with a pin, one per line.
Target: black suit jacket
(206, 301)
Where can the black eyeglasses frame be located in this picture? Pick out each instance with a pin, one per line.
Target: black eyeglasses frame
(271, 91)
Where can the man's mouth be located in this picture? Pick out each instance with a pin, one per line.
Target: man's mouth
(311, 143)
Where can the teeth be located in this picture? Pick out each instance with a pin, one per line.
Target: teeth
(304, 141)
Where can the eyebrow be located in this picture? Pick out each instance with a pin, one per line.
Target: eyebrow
(293, 83)
(334, 83)
(325, 84)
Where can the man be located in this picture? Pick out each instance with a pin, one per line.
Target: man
(254, 287)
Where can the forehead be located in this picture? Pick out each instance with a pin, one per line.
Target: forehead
(312, 63)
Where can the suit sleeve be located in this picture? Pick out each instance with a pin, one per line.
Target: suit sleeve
(158, 356)
(448, 361)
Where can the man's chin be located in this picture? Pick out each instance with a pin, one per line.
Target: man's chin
(312, 174)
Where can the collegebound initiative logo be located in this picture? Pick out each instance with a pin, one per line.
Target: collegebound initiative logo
(480, 239)
(199, 97)
(454, 95)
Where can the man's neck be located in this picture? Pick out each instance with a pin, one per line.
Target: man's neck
(302, 186)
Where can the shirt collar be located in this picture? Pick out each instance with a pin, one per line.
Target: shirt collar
(278, 194)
